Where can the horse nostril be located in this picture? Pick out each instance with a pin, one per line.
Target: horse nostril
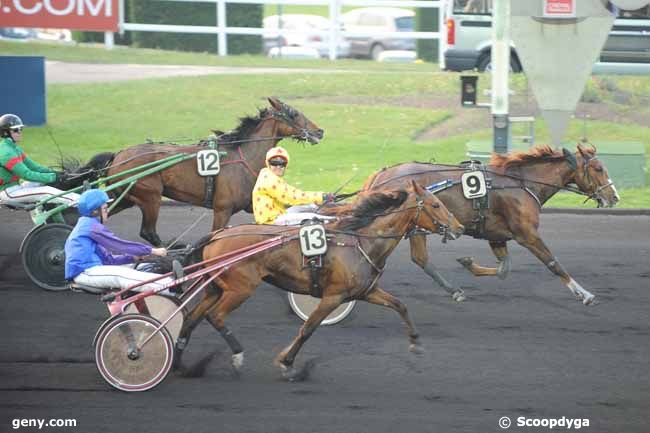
(320, 133)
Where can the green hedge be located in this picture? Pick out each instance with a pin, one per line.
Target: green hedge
(200, 14)
(427, 21)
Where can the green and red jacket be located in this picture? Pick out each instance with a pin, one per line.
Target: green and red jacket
(15, 165)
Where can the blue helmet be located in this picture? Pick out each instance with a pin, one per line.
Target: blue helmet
(91, 200)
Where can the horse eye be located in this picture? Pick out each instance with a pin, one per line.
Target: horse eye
(435, 206)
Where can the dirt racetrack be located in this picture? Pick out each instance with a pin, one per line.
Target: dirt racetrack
(517, 348)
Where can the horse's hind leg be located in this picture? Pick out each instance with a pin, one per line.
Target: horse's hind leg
(380, 297)
(191, 321)
(285, 359)
(500, 250)
(216, 315)
(420, 257)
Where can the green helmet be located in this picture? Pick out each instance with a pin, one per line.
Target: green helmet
(9, 122)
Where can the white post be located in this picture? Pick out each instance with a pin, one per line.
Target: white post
(442, 33)
(221, 25)
(335, 7)
(120, 16)
(109, 41)
(500, 71)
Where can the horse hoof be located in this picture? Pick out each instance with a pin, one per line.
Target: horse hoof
(289, 373)
(458, 296)
(416, 348)
(465, 261)
(237, 361)
(588, 300)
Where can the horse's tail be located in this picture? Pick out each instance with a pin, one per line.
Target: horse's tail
(97, 165)
(196, 250)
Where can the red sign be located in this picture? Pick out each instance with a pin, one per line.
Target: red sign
(98, 15)
(559, 8)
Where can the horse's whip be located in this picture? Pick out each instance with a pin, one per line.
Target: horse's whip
(55, 142)
(187, 230)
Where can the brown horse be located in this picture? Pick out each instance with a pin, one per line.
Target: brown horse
(246, 148)
(359, 245)
(521, 183)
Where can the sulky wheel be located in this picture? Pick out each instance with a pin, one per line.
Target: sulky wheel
(304, 305)
(43, 256)
(119, 360)
(160, 308)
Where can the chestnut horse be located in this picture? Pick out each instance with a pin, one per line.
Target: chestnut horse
(521, 183)
(359, 245)
(246, 148)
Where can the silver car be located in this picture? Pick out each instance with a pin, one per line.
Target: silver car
(381, 20)
(304, 31)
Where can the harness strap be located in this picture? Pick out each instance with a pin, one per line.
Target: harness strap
(377, 269)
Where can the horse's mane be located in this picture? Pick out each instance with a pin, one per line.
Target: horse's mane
(247, 125)
(536, 154)
(366, 208)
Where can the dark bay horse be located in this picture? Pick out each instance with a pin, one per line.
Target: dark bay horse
(358, 248)
(522, 182)
(246, 148)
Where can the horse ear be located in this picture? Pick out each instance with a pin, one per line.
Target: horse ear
(417, 188)
(570, 157)
(275, 103)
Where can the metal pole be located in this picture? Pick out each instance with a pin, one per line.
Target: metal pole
(500, 71)
(334, 28)
(221, 25)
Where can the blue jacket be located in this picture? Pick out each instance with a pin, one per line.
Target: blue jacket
(92, 244)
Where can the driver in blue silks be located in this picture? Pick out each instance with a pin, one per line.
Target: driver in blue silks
(94, 256)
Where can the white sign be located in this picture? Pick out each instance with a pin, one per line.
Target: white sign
(473, 184)
(207, 162)
(312, 240)
(559, 8)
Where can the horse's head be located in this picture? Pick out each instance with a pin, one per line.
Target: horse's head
(292, 123)
(433, 215)
(591, 176)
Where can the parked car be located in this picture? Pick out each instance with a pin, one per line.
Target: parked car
(17, 33)
(469, 38)
(303, 33)
(381, 20)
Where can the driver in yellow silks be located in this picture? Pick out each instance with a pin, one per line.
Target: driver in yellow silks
(272, 195)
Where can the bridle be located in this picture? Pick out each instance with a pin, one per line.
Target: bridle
(443, 229)
(596, 194)
(288, 115)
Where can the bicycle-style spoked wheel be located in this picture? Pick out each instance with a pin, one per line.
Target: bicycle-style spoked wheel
(125, 366)
(304, 305)
(160, 308)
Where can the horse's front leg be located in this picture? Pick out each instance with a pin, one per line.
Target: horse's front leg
(535, 245)
(220, 218)
(420, 257)
(379, 297)
(500, 251)
(285, 359)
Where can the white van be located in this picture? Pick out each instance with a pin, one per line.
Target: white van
(469, 39)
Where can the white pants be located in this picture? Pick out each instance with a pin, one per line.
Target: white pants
(33, 192)
(297, 214)
(120, 277)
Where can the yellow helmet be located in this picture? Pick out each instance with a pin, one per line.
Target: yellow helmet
(277, 152)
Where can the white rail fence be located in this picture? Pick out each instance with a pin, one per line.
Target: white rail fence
(334, 32)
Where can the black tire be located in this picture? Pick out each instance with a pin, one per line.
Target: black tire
(375, 51)
(43, 256)
(485, 64)
(125, 368)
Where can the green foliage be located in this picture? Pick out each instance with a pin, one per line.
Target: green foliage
(427, 21)
(198, 14)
